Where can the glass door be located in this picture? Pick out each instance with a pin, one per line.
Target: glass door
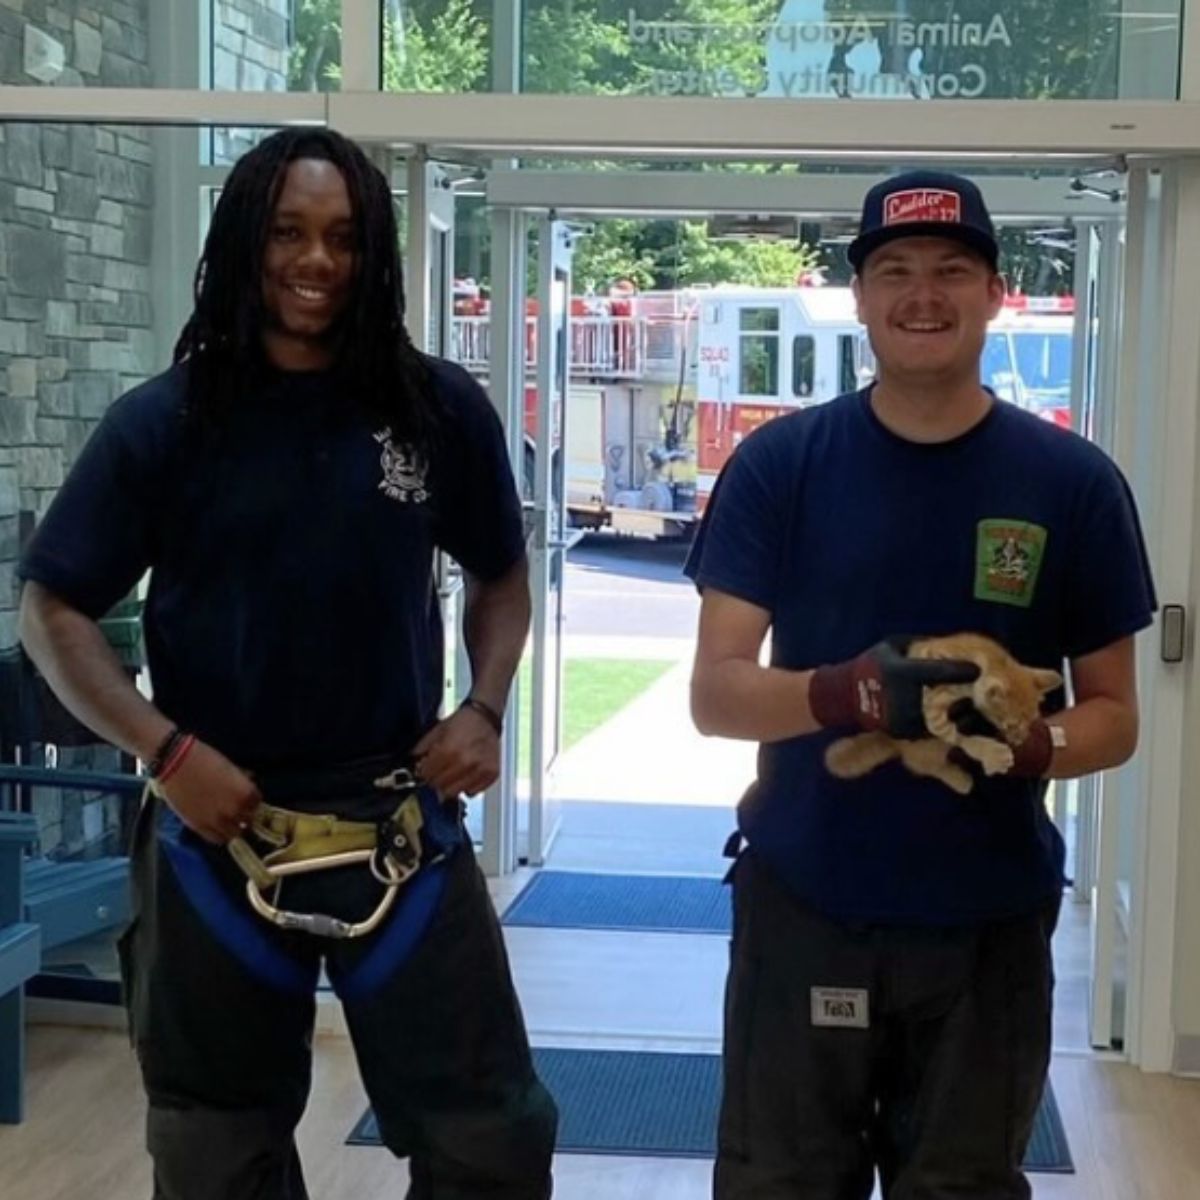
(549, 543)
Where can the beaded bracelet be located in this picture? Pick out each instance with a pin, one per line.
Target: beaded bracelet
(487, 712)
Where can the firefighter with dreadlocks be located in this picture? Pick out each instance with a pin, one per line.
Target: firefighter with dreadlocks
(286, 484)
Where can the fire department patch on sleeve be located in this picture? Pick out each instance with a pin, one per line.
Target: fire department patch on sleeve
(1008, 558)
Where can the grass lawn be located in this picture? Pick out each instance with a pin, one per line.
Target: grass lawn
(594, 689)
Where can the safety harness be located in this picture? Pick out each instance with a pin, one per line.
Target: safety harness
(306, 842)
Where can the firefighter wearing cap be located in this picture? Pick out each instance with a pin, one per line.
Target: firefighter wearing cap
(889, 1000)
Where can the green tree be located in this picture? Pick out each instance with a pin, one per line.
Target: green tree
(434, 46)
(444, 49)
(614, 250)
(666, 254)
(316, 51)
(1041, 50)
(698, 258)
(570, 49)
(611, 47)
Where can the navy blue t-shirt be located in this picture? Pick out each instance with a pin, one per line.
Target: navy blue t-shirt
(847, 533)
(291, 617)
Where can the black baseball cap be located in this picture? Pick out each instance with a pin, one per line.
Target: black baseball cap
(924, 204)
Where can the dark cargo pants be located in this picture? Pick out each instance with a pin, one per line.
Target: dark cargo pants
(222, 1009)
(919, 1053)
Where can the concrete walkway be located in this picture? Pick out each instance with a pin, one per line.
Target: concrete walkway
(651, 753)
(645, 792)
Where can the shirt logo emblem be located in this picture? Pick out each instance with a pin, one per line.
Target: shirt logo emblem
(1008, 559)
(403, 471)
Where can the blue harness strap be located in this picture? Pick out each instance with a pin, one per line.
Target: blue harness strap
(246, 937)
(414, 912)
(236, 928)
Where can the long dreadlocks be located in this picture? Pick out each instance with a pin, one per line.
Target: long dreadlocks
(221, 344)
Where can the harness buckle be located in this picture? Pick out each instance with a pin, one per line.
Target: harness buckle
(401, 779)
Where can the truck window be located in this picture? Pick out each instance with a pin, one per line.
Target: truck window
(1044, 361)
(847, 363)
(758, 351)
(804, 366)
(996, 369)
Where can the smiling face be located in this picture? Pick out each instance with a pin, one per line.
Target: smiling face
(926, 303)
(309, 264)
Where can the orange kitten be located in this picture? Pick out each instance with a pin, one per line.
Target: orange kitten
(1006, 693)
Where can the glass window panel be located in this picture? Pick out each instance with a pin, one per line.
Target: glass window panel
(276, 45)
(759, 373)
(228, 143)
(847, 363)
(750, 319)
(804, 366)
(996, 367)
(811, 49)
(903, 49)
(1044, 361)
(437, 45)
(77, 43)
(758, 352)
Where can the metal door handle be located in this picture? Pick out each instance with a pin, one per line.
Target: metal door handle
(1174, 630)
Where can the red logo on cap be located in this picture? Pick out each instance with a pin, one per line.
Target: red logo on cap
(922, 204)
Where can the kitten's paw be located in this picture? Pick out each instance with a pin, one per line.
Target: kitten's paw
(957, 779)
(853, 757)
(842, 759)
(995, 757)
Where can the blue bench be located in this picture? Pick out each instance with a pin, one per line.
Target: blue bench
(20, 957)
(74, 899)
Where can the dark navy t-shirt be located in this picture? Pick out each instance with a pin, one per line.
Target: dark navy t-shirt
(291, 617)
(846, 533)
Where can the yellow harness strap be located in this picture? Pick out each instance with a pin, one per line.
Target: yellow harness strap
(307, 842)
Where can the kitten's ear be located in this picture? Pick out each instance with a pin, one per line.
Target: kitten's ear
(1046, 680)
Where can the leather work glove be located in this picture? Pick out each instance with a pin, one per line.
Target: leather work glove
(1031, 759)
(881, 689)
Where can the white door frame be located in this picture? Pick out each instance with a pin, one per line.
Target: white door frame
(1012, 198)
(1157, 438)
(548, 560)
(1018, 132)
(429, 217)
(506, 385)
(1100, 796)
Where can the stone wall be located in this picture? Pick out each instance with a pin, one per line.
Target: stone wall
(75, 302)
(75, 233)
(74, 43)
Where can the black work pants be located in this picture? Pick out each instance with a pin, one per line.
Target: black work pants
(920, 1054)
(221, 1007)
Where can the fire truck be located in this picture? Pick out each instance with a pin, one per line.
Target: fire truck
(665, 385)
